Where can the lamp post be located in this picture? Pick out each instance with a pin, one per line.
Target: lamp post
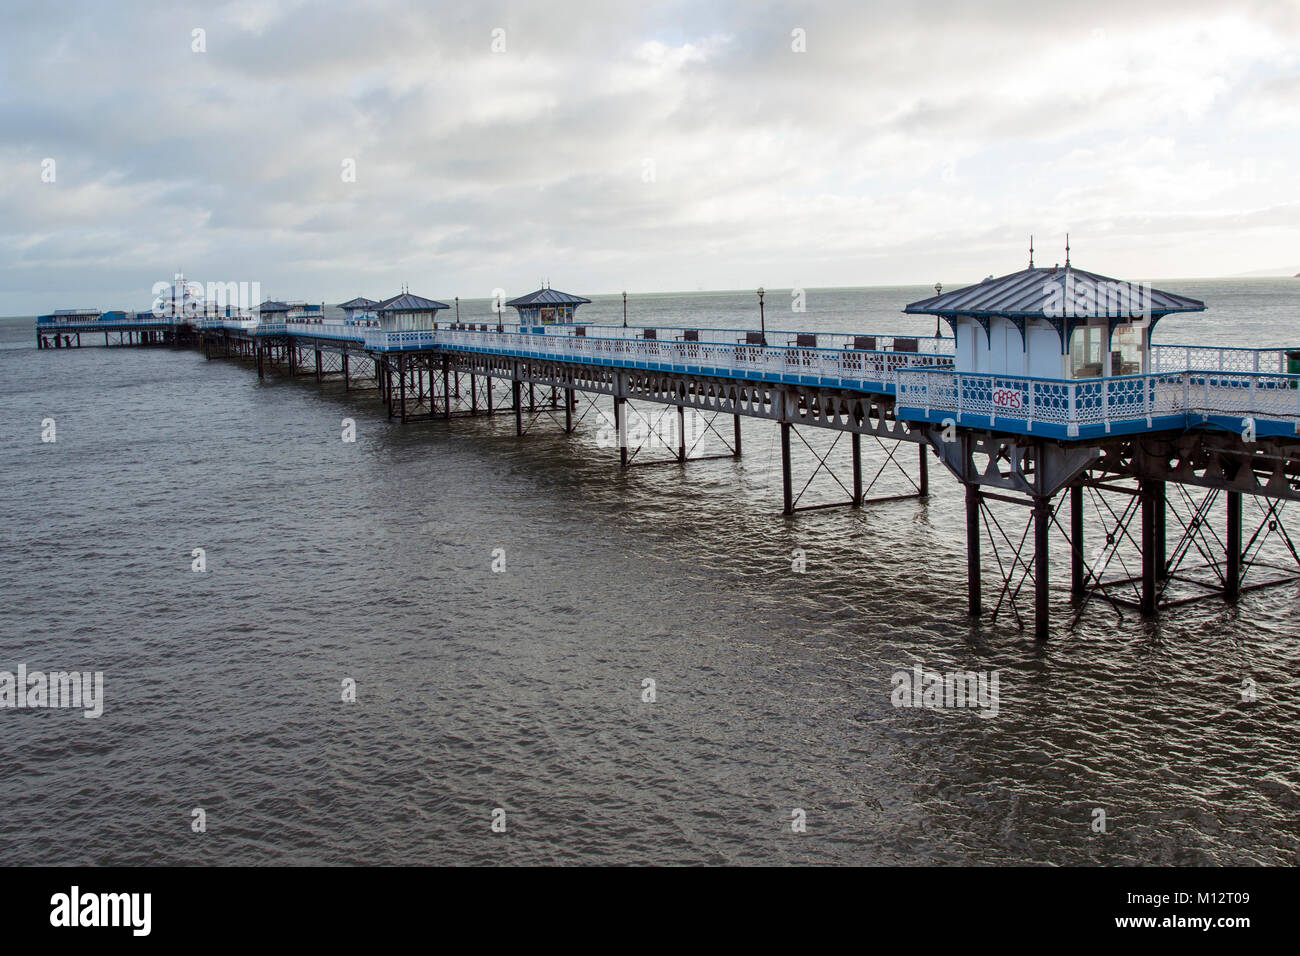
(938, 289)
(625, 310)
(762, 319)
(458, 310)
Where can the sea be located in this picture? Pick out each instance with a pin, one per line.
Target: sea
(443, 644)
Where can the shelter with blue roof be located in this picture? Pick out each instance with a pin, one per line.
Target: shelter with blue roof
(547, 306)
(1053, 322)
(272, 311)
(405, 312)
(359, 311)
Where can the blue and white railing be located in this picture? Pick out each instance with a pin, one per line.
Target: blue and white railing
(1258, 403)
(1211, 358)
(843, 368)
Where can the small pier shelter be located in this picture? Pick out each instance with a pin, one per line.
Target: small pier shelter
(1053, 322)
(547, 306)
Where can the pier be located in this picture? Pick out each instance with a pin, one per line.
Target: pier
(1049, 395)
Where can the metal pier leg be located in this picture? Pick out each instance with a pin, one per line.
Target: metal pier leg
(519, 408)
(973, 549)
(1146, 490)
(532, 397)
(1232, 576)
(347, 381)
(857, 469)
(568, 411)
(736, 453)
(473, 394)
(446, 394)
(620, 429)
(318, 368)
(388, 387)
(923, 487)
(1162, 543)
(787, 490)
(401, 384)
(681, 433)
(1042, 524)
(491, 386)
(261, 373)
(1076, 542)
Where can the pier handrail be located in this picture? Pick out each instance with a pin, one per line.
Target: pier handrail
(846, 367)
(1229, 399)
(1214, 358)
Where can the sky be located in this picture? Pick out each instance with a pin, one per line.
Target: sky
(333, 149)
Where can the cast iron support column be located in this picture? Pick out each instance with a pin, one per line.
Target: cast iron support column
(388, 386)
(1162, 544)
(1042, 524)
(519, 408)
(973, 549)
(1232, 583)
(681, 433)
(1147, 492)
(620, 427)
(568, 411)
(401, 384)
(787, 489)
(261, 373)
(446, 395)
(857, 469)
(347, 381)
(318, 368)
(1076, 542)
(736, 452)
(923, 487)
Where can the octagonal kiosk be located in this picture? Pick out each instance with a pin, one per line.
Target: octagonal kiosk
(359, 311)
(546, 307)
(408, 313)
(1054, 322)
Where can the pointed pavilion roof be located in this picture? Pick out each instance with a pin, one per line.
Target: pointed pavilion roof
(360, 302)
(406, 302)
(547, 297)
(1027, 294)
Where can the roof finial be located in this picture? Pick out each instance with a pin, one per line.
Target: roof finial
(1067, 250)
(1031, 250)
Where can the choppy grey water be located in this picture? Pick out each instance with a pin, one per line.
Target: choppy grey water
(522, 690)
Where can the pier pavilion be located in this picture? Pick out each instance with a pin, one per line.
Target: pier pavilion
(304, 312)
(1054, 323)
(547, 306)
(271, 311)
(405, 312)
(359, 311)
